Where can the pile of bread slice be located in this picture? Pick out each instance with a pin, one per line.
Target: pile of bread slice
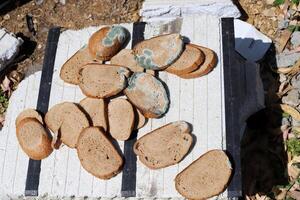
(121, 95)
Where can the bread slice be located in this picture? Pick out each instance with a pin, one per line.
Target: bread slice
(140, 119)
(70, 70)
(97, 155)
(107, 42)
(209, 63)
(67, 119)
(149, 71)
(96, 109)
(189, 61)
(159, 52)
(33, 138)
(148, 94)
(102, 81)
(164, 146)
(126, 58)
(205, 177)
(121, 119)
(29, 113)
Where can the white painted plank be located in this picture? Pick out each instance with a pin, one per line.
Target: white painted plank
(200, 93)
(21, 166)
(17, 103)
(186, 90)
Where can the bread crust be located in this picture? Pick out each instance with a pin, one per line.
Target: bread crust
(200, 59)
(29, 113)
(43, 149)
(221, 187)
(208, 65)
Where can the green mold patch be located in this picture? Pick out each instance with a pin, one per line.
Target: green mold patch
(115, 32)
(145, 60)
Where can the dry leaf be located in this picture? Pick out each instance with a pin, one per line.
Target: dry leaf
(283, 39)
(289, 110)
(294, 194)
(5, 85)
(284, 88)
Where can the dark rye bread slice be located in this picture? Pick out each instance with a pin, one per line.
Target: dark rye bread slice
(148, 94)
(164, 146)
(159, 52)
(189, 60)
(102, 81)
(97, 155)
(120, 118)
(96, 109)
(33, 138)
(126, 58)
(67, 119)
(205, 177)
(107, 42)
(209, 63)
(29, 113)
(70, 70)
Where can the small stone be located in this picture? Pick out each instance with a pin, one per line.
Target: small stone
(6, 17)
(39, 46)
(295, 39)
(292, 98)
(295, 81)
(285, 121)
(283, 24)
(286, 59)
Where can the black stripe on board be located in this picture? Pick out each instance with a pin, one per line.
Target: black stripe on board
(129, 171)
(34, 166)
(233, 85)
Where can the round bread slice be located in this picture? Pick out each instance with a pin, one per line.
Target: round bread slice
(67, 119)
(148, 94)
(102, 81)
(70, 70)
(107, 42)
(164, 146)
(126, 58)
(159, 52)
(140, 119)
(96, 109)
(29, 113)
(206, 177)
(189, 61)
(33, 138)
(120, 118)
(97, 155)
(209, 63)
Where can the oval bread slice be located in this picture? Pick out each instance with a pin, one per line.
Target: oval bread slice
(96, 109)
(159, 52)
(148, 94)
(121, 119)
(206, 177)
(107, 42)
(33, 138)
(97, 155)
(70, 70)
(126, 58)
(29, 113)
(164, 146)
(209, 63)
(140, 119)
(189, 60)
(67, 118)
(102, 81)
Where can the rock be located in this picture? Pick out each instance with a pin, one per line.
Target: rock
(285, 121)
(268, 12)
(153, 9)
(292, 98)
(295, 81)
(283, 24)
(295, 39)
(9, 47)
(286, 59)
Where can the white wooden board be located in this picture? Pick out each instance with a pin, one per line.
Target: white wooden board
(198, 101)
